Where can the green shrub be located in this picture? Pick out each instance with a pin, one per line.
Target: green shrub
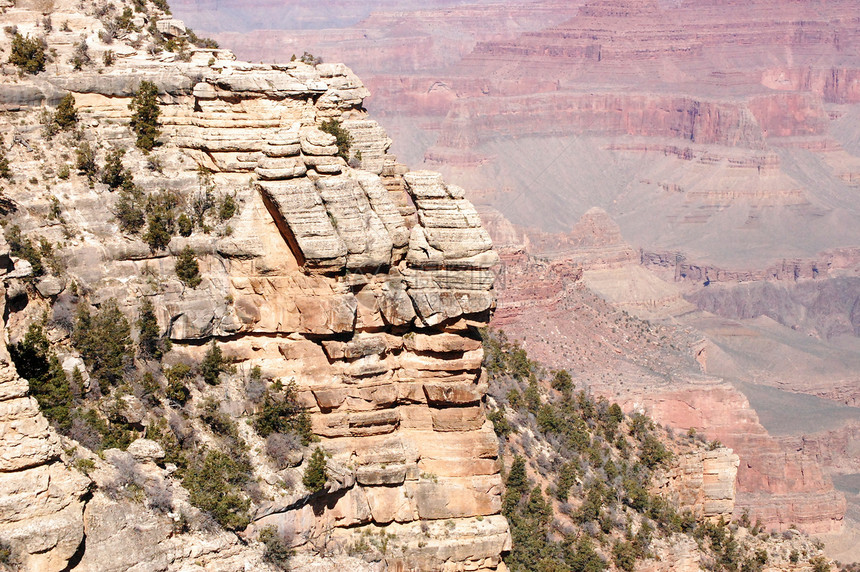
(205, 199)
(187, 269)
(281, 413)
(22, 247)
(161, 220)
(114, 173)
(820, 564)
(85, 161)
(516, 485)
(213, 364)
(342, 136)
(653, 453)
(566, 479)
(144, 118)
(206, 43)
(316, 472)
(309, 58)
(562, 381)
(48, 382)
(5, 171)
(214, 480)
(624, 556)
(104, 341)
(532, 398)
(149, 340)
(176, 388)
(7, 555)
(500, 423)
(111, 435)
(185, 225)
(228, 208)
(66, 115)
(28, 54)
(582, 557)
(277, 552)
(129, 214)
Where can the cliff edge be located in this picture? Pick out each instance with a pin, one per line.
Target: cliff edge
(333, 277)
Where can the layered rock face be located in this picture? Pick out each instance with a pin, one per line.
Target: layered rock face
(656, 368)
(43, 501)
(781, 487)
(704, 482)
(365, 285)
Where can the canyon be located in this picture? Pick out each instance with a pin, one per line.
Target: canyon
(356, 291)
(362, 288)
(718, 140)
(350, 288)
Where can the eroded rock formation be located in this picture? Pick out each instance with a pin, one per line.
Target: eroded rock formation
(42, 500)
(362, 283)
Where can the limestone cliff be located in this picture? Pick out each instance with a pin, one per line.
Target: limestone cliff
(357, 281)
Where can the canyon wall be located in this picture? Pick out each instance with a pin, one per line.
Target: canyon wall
(43, 501)
(783, 488)
(363, 285)
(656, 368)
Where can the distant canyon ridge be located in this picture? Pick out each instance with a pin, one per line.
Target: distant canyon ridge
(693, 163)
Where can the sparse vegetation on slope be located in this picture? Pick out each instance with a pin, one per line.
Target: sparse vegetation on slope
(580, 487)
(28, 54)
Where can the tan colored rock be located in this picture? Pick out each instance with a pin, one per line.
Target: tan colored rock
(453, 394)
(366, 238)
(41, 500)
(458, 418)
(324, 275)
(145, 450)
(317, 142)
(170, 27)
(390, 504)
(457, 497)
(703, 482)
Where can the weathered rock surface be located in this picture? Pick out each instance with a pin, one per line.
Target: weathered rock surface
(41, 500)
(781, 487)
(703, 482)
(364, 285)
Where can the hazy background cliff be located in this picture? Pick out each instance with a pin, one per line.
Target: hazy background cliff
(720, 146)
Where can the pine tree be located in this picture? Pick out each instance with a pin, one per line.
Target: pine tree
(212, 364)
(148, 338)
(104, 341)
(315, 473)
(66, 115)
(187, 269)
(28, 54)
(144, 118)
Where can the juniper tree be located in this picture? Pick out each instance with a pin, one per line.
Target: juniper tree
(144, 118)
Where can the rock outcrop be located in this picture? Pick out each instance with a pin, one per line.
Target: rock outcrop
(783, 488)
(704, 482)
(360, 282)
(41, 517)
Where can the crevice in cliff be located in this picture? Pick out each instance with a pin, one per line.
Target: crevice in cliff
(78, 556)
(285, 230)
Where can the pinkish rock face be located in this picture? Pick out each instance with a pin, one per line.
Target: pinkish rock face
(720, 142)
(695, 99)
